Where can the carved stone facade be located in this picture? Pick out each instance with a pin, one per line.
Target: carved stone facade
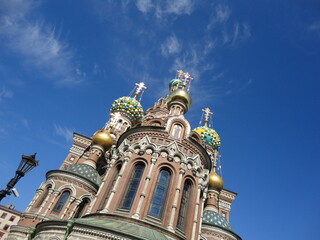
(151, 184)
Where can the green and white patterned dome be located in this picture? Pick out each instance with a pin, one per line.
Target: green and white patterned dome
(86, 171)
(213, 218)
(130, 106)
(209, 136)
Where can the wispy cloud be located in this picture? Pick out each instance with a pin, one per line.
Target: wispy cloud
(220, 15)
(315, 27)
(230, 32)
(37, 43)
(5, 93)
(163, 8)
(170, 46)
(241, 32)
(64, 132)
(144, 5)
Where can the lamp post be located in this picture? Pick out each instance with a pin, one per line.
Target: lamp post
(26, 164)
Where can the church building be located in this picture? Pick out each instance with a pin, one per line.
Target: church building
(143, 175)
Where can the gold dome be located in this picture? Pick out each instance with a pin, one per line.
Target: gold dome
(180, 94)
(103, 139)
(215, 181)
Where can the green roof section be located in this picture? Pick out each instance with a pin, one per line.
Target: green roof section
(125, 228)
(85, 171)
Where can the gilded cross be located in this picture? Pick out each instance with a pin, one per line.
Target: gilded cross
(207, 114)
(140, 86)
(180, 74)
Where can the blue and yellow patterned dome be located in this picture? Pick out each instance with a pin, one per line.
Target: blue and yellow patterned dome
(213, 218)
(175, 83)
(130, 106)
(86, 171)
(209, 136)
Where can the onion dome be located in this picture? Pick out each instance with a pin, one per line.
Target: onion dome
(213, 218)
(86, 171)
(175, 83)
(215, 181)
(180, 94)
(209, 136)
(102, 139)
(130, 106)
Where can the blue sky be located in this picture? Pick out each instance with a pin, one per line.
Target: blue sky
(254, 63)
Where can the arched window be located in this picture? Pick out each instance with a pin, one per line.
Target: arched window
(82, 206)
(160, 194)
(109, 188)
(184, 204)
(62, 200)
(132, 187)
(43, 197)
(176, 131)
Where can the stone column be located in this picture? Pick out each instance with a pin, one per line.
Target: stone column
(145, 186)
(36, 196)
(195, 219)
(110, 165)
(176, 197)
(201, 213)
(114, 189)
(55, 193)
(77, 202)
(45, 201)
(66, 208)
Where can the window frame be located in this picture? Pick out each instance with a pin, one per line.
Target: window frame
(182, 218)
(54, 210)
(129, 187)
(167, 190)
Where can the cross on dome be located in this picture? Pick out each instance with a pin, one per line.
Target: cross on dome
(185, 77)
(140, 87)
(207, 114)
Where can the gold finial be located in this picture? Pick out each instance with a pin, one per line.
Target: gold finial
(215, 181)
(140, 87)
(207, 114)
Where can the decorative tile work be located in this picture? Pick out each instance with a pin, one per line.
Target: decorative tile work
(86, 171)
(213, 218)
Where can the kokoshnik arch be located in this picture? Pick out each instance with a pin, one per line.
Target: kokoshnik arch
(141, 176)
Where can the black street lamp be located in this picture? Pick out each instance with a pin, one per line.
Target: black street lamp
(26, 164)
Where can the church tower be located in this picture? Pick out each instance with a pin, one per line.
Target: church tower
(141, 176)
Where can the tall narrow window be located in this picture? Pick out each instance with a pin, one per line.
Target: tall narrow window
(160, 194)
(111, 185)
(132, 187)
(81, 208)
(43, 197)
(62, 200)
(176, 132)
(184, 205)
